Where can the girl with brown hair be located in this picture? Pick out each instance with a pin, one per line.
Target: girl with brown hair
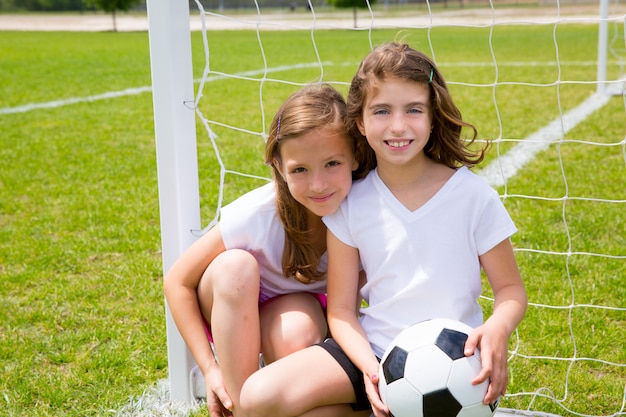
(256, 282)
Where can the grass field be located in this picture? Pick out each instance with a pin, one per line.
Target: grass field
(82, 324)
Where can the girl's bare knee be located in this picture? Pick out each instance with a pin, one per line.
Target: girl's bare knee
(291, 323)
(232, 277)
(231, 274)
(256, 397)
(296, 334)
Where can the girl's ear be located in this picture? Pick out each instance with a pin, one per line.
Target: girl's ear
(278, 167)
(359, 124)
(355, 165)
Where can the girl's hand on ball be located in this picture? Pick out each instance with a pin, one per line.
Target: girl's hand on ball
(371, 388)
(493, 345)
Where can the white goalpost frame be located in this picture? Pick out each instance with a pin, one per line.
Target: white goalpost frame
(603, 30)
(177, 163)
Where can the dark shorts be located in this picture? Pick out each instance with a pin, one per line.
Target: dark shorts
(354, 373)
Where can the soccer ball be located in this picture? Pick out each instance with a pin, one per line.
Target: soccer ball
(424, 373)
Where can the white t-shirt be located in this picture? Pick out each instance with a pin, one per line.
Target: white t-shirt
(251, 223)
(421, 264)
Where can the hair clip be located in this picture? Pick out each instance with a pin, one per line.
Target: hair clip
(278, 126)
(430, 79)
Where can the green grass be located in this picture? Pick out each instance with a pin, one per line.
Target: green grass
(82, 324)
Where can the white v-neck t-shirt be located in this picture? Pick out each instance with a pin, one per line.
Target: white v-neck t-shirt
(420, 264)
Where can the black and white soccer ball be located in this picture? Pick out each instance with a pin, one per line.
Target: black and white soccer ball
(424, 373)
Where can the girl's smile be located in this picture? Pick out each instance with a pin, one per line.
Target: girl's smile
(397, 144)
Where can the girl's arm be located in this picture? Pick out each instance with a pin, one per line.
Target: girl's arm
(343, 287)
(509, 308)
(180, 286)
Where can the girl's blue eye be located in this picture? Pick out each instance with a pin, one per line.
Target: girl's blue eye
(334, 163)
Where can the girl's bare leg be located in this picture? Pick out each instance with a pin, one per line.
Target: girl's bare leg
(309, 382)
(228, 295)
(289, 323)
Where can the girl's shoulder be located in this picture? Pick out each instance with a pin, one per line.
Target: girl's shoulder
(251, 221)
(365, 182)
(260, 202)
(263, 196)
(472, 180)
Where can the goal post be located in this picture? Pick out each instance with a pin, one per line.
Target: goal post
(177, 166)
(605, 87)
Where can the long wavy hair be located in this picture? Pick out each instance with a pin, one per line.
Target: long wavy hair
(312, 107)
(398, 60)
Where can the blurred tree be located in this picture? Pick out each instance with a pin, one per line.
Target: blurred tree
(354, 4)
(112, 6)
(42, 5)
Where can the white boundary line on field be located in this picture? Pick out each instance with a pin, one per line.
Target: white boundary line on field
(147, 89)
(138, 90)
(74, 100)
(155, 402)
(506, 166)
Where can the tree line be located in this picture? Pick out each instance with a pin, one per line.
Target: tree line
(114, 6)
(70, 5)
(125, 5)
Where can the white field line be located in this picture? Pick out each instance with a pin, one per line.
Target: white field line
(74, 100)
(147, 89)
(133, 91)
(155, 401)
(506, 166)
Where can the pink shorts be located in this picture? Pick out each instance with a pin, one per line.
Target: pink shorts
(321, 298)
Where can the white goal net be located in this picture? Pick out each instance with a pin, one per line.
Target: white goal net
(544, 81)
